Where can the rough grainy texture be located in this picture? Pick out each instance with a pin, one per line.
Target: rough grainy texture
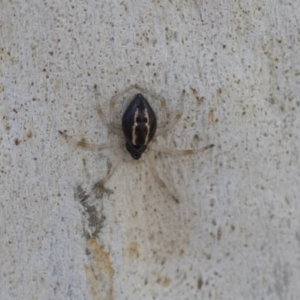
(235, 233)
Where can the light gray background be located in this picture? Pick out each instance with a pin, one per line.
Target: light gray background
(235, 233)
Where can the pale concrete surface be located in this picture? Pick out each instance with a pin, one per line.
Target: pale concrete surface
(235, 233)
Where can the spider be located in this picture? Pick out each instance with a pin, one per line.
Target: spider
(139, 127)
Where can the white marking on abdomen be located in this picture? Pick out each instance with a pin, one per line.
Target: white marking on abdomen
(135, 124)
(148, 126)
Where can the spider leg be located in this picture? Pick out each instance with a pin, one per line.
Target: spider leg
(111, 171)
(88, 146)
(160, 182)
(114, 127)
(164, 149)
(153, 95)
(164, 127)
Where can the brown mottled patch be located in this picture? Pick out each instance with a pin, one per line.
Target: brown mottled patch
(83, 144)
(200, 100)
(100, 112)
(164, 281)
(178, 116)
(188, 151)
(200, 283)
(161, 183)
(133, 250)
(29, 133)
(151, 237)
(17, 141)
(208, 256)
(219, 234)
(211, 117)
(271, 100)
(163, 103)
(5, 123)
(100, 272)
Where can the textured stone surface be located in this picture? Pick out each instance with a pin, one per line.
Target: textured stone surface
(235, 233)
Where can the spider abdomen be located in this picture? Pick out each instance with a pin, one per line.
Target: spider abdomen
(139, 125)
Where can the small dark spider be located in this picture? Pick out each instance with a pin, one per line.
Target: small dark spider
(139, 126)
